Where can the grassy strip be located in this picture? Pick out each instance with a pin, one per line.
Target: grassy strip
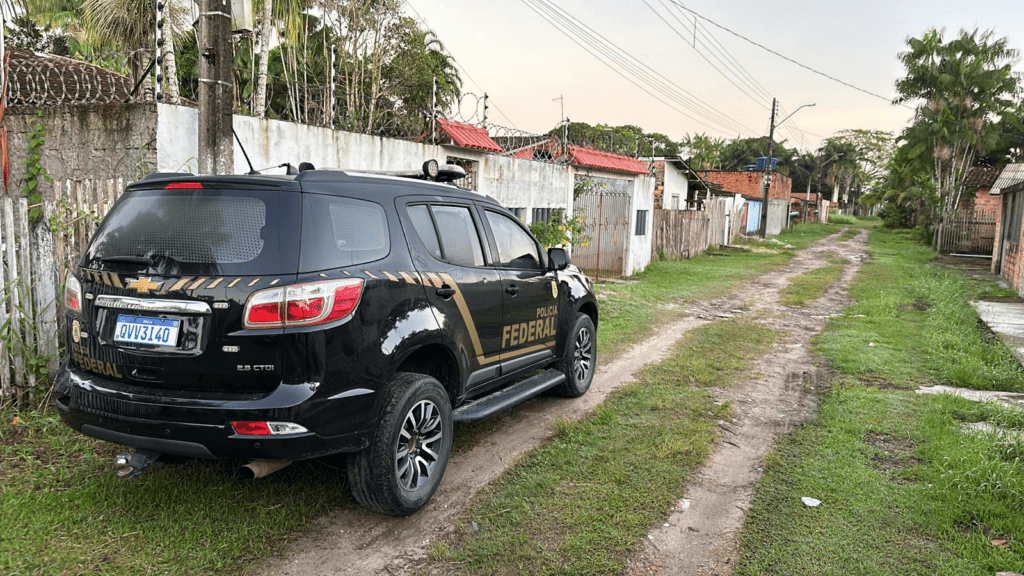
(904, 489)
(65, 513)
(811, 284)
(580, 503)
(632, 311)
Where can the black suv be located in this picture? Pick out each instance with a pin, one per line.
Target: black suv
(279, 318)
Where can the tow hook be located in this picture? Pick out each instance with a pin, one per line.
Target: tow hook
(133, 464)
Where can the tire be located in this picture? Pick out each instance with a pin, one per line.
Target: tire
(400, 470)
(579, 359)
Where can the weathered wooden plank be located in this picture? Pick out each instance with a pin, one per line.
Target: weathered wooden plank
(44, 289)
(18, 361)
(25, 286)
(6, 389)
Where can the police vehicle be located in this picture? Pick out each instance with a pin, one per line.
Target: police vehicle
(276, 318)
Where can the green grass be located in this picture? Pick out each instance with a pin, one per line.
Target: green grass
(811, 284)
(634, 310)
(583, 501)
(837, 218)
(904, 489)
(65, 513)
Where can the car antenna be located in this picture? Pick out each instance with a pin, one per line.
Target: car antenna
(252, 171)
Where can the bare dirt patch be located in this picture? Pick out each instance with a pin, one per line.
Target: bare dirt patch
(777, 396)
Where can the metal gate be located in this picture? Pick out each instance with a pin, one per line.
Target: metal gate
(607, 220)
(753, 216)
(967, 232)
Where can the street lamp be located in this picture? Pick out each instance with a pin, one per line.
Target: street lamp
(766, 180)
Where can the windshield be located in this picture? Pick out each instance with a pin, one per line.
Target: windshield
(201, 232)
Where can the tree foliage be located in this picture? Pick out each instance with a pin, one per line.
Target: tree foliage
(963, 88)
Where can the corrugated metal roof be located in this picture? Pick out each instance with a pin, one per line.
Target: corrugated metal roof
(469, 136)
(1012, 174)
(599, 159)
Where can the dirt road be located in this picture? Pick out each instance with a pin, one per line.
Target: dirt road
(776, 397)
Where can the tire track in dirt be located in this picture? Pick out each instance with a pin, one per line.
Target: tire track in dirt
(701, 536)
(355, 541)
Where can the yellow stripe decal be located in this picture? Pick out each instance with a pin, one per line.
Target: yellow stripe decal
(367, 272)
(390, 276)
(253, 283)
(434, 279)
(346, 273)
(198, 283)
(233, 282)
(406, 276)
(116, 280)
(214, 284)
(179, 284)
(275, 281)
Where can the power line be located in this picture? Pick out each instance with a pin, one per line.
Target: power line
(628, 65)
(787, 58)
(640, 70)
(717, 69)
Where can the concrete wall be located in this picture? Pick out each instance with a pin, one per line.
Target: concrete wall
(778, 215)
(639, 254)
(85, 141)
(512, 181)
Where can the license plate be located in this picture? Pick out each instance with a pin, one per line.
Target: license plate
(146, 330)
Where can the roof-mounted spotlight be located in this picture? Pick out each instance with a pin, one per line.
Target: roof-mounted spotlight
(431, 169)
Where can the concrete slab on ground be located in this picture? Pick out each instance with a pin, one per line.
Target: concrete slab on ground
(1006, 320)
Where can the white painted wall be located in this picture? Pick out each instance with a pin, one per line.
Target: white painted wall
(514, 182)
(676, 185)
(639, 255)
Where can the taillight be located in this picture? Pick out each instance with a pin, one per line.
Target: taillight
(258, 428)
(303, 304)
(73, 294)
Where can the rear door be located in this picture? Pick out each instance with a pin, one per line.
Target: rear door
(165, 280)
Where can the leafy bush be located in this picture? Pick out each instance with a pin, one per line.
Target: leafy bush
(561, 231)
(836, 218)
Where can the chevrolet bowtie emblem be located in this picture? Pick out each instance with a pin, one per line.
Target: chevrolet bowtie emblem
(143, 285)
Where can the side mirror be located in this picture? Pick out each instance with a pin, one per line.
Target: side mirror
(558, 258)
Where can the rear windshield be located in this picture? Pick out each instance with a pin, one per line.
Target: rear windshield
(203, 231)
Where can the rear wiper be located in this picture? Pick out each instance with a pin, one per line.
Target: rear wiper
(140, 260)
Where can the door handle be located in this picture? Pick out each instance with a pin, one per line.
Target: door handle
(512, 289)
(446, 291)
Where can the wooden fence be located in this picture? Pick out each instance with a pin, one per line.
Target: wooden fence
(967, 232)
(38, 245)
(680, 233)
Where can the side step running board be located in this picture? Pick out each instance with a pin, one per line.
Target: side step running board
(508, 397)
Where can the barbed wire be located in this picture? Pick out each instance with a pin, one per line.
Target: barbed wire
(49, 80)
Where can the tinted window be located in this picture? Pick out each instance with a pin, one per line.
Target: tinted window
(339, 232)
(459, 238)
(516, 248)
(203, 231)
(424, 226)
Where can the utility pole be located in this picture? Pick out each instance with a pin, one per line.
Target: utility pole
(766, 178)
(216, 88)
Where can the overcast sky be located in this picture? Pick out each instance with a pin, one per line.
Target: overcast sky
(524, 63)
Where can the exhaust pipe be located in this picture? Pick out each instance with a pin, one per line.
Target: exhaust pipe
(260, 468)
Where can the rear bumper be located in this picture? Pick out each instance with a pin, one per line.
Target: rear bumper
(201, 427)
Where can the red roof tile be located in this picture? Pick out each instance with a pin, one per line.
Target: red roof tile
(598, 159)
(469, 136)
